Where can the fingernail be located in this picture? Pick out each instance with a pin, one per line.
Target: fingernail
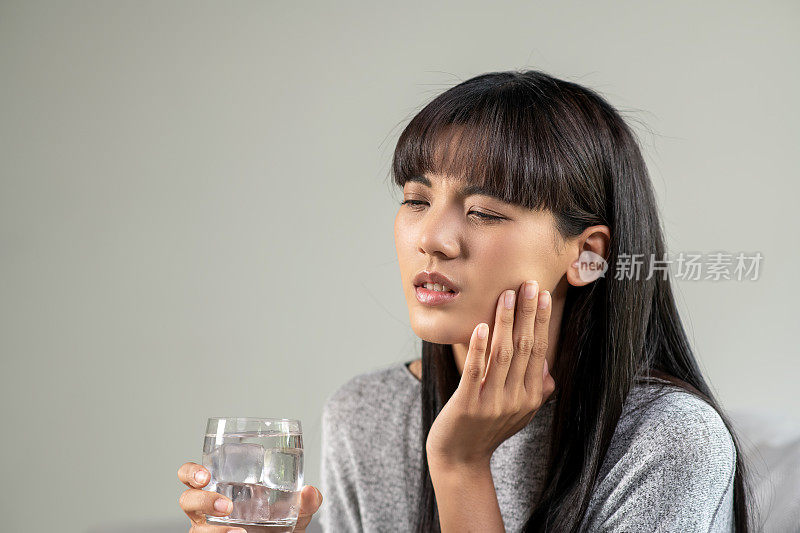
(544, 300)
(530, 289)
(201, 476)
(319, 496)
(509, 299)
(545, 370)
(223, 506)
(483, 331)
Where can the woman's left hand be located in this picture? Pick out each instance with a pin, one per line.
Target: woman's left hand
(493, 403)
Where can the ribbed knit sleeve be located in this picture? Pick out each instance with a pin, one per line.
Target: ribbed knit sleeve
(671, 470)
(339, 511)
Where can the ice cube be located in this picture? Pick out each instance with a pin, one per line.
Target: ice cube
(283, 468)
(236, 462)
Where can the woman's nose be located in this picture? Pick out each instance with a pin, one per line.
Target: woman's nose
(439, 233)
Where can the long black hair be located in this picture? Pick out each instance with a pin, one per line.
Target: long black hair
(545, 143)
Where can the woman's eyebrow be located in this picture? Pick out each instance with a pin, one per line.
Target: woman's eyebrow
(469, 190)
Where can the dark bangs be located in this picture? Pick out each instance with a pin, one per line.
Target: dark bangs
(522, 147)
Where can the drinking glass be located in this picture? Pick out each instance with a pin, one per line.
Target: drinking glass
(258, 464)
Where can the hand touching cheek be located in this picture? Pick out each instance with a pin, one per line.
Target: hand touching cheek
(494, 401)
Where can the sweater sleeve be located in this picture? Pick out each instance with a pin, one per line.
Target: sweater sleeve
(339, 511)
(675, 475)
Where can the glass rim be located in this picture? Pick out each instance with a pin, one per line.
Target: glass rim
(259, 418)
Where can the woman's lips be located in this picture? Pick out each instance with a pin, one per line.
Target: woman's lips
(429, 297)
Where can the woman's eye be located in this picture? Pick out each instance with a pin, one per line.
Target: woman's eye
(484, 216)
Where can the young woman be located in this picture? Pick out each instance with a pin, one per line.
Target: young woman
(548, 397)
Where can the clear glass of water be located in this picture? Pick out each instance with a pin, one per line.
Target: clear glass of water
(258, 464)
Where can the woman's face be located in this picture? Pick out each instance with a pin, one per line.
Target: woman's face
(443, 228)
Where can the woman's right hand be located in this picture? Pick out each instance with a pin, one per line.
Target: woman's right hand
(198, 503)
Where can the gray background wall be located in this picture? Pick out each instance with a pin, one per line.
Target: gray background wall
(195, 218)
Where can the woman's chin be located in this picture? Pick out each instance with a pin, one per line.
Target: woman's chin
(439, 333)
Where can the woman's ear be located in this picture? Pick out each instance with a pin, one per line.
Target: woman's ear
(588, 256)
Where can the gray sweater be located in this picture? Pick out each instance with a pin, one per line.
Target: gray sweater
(672, 471)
